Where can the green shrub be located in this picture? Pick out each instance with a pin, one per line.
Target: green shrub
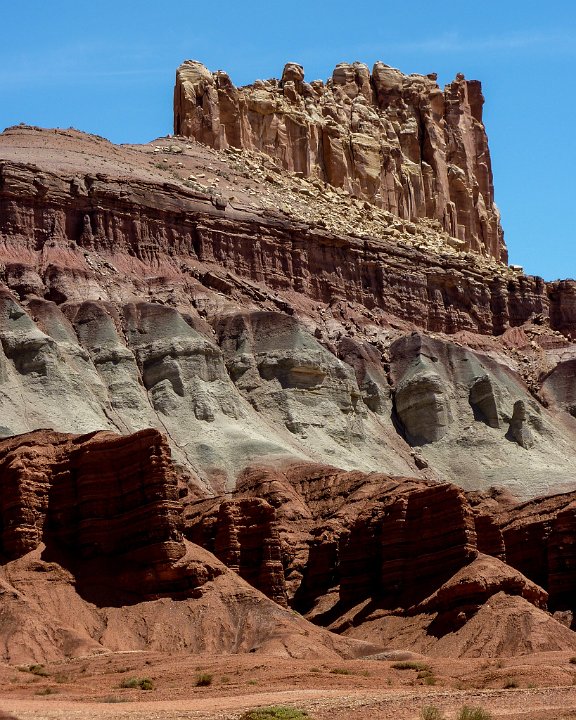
(276, 713)
(473, 713)
(410, 665)
(142, 683)
(340, 671)
(203, 680)
(39, 670)
(112, 699)
(430, 712)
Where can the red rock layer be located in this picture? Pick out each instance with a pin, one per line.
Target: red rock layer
(105, 506)
(166, 234)
(353, 537)
(540, 539)
(243, 534)
(404, 549)
(396, 140)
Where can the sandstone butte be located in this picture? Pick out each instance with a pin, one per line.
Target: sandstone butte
(269, 386)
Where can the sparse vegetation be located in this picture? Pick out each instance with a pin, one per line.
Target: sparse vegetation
(340, 671)
(573, 660)
(276, 713)
(46, 691)
(411, 665)
(510, 685)
(39, 670)
(203, 680)
(142, 683)
(473, 713)
(431, 712)
(113, 699)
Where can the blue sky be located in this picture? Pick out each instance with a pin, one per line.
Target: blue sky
(108, 68)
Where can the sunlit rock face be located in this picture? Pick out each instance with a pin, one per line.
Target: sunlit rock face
(398, 141)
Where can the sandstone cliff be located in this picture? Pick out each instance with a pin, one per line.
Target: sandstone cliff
(92, 558)
(398, 141)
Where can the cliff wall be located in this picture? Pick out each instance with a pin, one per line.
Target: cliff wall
(397, 141)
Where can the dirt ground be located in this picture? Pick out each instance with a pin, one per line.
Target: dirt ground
(537, 687)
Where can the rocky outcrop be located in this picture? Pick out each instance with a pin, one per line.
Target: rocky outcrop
(104, 506)
(559, 386)
(243, 534)
(406, 546)
(104, 237)
(446, 395)
(398, 141)
(474, 584)
(539, 538)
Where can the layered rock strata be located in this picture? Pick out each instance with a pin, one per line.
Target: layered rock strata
(398, 141)
(104, 506)
(395, 559)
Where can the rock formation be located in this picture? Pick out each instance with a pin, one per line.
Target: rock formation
(92, 552)
(145, 303)
(280, 355)
(398, 141)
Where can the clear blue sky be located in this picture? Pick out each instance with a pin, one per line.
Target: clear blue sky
(108, 68)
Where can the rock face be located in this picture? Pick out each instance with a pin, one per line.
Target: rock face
(104, 506)
(243, 534)
(331, 373)
(245, 334)
(92, 557)
(398, 141)
(395, 557)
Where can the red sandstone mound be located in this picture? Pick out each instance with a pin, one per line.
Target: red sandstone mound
(391, 559)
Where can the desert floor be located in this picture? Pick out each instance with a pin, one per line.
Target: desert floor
(539, 687)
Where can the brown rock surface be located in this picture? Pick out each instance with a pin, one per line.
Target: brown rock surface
(396, 557)
(397, 141)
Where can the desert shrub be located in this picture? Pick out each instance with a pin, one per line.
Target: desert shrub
(203, 680)
(410, 665)
(430, 712)
(276, 713)
(142, 683)
(473, 713)
(510, 684)
(39, 670)
(340, 671)
(573, 660)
